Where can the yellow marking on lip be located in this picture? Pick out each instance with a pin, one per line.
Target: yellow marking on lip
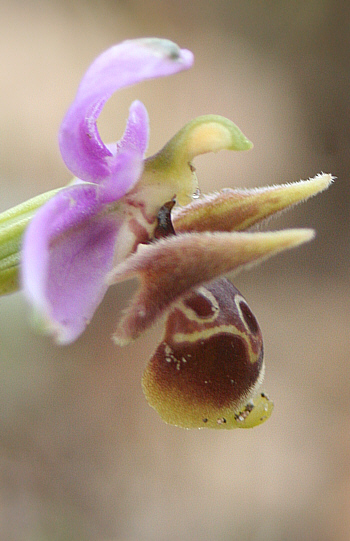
(201, 336)
(206, 333)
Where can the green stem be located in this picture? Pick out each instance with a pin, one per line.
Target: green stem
(13, 223)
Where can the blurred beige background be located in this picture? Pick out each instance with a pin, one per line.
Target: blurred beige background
(82, 456)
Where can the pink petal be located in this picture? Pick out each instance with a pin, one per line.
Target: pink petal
(124, 174)
(67, 252)
(137, 130)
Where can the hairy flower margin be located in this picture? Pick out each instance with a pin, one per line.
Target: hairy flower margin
(104, 227)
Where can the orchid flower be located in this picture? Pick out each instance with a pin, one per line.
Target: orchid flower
(116, 221)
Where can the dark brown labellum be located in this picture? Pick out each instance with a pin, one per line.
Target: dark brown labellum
(209, 365)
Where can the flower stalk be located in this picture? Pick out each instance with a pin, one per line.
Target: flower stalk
(13, 223)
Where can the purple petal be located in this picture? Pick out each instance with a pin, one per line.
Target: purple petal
(67, 251)
(125, 172)
(136, 131)
(122, 65)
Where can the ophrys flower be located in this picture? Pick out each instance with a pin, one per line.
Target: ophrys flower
(116, 221)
